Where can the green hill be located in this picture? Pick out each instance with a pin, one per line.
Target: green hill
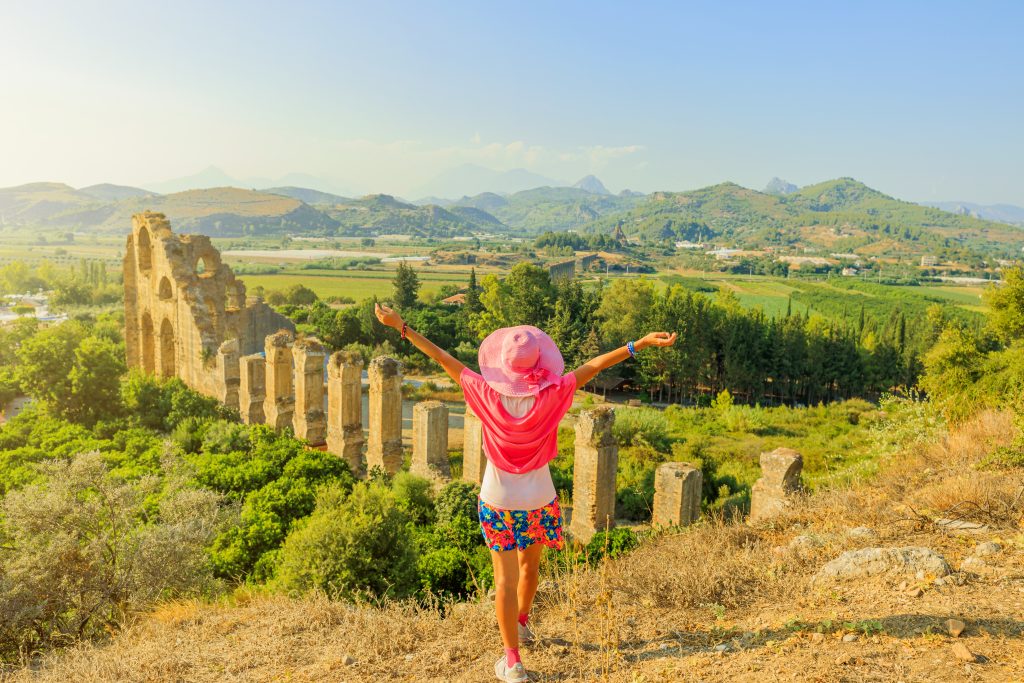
(549, 208)
(383, 214)
(838, 215)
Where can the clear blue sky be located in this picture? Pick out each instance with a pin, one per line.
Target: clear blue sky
(923, 100)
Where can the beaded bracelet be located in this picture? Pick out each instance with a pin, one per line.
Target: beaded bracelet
(404, 325)
(631, 348)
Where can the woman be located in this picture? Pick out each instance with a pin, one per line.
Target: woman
(520, 396)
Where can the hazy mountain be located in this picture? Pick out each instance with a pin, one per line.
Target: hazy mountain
(308, 195)
(471, 179)
(779, 186)
(590, 183)
(211, 177)
(113, 193)
(1004, 213)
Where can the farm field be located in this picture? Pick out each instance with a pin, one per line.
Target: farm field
(356, 284)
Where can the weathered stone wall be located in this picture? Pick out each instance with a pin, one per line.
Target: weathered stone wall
(182, 303)
(474, 460)
(430, 440)
(677, 494)
(252, 387)
(593, 484)
(279, 405)
(310, 421)
(345, 409)
(384, 446)
(779, 483)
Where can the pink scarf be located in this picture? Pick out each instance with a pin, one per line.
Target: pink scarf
(519, 444)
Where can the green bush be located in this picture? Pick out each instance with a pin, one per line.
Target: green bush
(636, 426)
(359, 545)
(458, 499)
(413, 495)
(612, 543)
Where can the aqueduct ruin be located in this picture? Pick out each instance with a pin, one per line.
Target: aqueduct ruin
(187, 316)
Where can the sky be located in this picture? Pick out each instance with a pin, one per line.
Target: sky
(922, 100)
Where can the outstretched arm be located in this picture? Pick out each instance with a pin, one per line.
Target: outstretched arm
(589, 370)
(451, 365)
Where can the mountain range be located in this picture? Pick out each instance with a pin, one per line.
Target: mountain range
(837, 215)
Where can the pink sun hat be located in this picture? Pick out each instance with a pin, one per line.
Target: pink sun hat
(520, 360)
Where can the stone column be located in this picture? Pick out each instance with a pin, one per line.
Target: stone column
(252, 387)
(228, 380)
(473, 459)
(430, 440)
(310, 422)
(280, 402)
(384, 447)
(677, 494)
(593, 482)
(779, 483)
(345, 409)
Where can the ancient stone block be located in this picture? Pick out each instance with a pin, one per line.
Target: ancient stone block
(430, 440)
(474, 461)
(310, 422)
(345, 409)
(252, 388)
(384, 447)
(279, 405)
(677, 494)
(593, 484)
(228, 379)
(779, 482)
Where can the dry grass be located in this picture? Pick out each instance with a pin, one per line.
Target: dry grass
(658, 613)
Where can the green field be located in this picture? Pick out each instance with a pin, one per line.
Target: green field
(357, 284)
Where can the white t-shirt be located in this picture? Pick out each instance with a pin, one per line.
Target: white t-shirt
(510, 491)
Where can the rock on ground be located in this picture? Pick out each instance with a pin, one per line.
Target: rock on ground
(878, 561)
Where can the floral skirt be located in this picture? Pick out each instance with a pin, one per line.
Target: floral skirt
(512, 529)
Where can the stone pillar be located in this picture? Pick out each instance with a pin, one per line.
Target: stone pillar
(310, 422)
(473, 459)
(430, 440)
(677, 494)
(779, 482)
(593, 482)
(228, 377)
(384, 447)
(280, 402)
(345, 409)
(252, 387)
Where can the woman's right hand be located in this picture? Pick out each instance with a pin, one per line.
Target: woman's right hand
(387, 316)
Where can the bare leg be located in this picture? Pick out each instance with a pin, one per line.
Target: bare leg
(506, 580)
(529, 569)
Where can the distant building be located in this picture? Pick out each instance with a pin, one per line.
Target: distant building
(929, 261)
(723, 254)
(684, 244)
(849, 272)
(455, 299)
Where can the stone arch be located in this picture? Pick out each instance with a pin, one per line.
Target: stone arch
(206, 265)
(167, 350)
(144, 250)
(148, 344)
(166, 292)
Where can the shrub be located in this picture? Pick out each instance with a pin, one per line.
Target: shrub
(635, 426)
(458, 499)
(413, 495)
(78, 559)
(359, 545)
(612, 543)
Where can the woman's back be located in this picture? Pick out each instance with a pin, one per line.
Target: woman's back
(510, 491)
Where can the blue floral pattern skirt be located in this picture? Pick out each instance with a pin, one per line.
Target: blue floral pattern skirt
(518, 529)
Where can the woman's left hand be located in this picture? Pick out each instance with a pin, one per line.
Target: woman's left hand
(387, 316)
